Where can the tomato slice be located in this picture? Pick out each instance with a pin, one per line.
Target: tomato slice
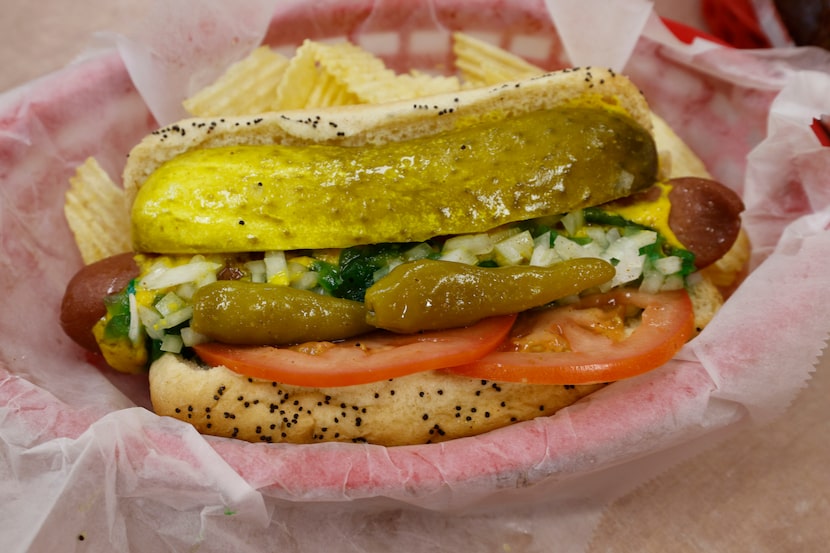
(368, 358)
(597, 348)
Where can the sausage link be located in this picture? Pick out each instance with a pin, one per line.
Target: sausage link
(83, 301)
(705, 217)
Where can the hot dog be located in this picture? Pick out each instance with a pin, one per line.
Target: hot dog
(552, 179)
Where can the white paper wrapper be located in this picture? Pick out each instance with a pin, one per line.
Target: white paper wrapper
(87, 466)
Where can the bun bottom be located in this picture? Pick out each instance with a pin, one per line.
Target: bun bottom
(420, 408)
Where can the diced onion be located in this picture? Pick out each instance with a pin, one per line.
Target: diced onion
(419, 251)
(171, 343)
(134, 333)
(306, 281)
(301, 277)
(206, 279)
(568, 249)
(543, 255)
(476, 244)
(169, 303)
(386, 269)
(160, 278)
(598, 236)
(190, 337)
(459, 256)
(573, 221)
(669, 265)
(503, 233)
(150, 318)
(672, 282)
(624, 182)
(276, 267)
(514, 250)
(257, 270)
(176, 318)
(652, 282)
(186, 290)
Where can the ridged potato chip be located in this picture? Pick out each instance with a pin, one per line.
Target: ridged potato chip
(322, 75)
(248, 87)
(481, 63)
(407, 86)
(306, 84)
(97, 213)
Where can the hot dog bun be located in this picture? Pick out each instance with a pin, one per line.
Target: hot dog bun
(420, 408)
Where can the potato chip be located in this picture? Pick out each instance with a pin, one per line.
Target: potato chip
(308, 81)
(248, 87)
(407, 86)
(481, 63)
(322, 75)
(97, 213)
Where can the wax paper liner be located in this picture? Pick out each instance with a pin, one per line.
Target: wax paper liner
(86, 465)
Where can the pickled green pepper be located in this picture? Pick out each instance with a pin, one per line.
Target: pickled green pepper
(430, 295)
(241, 312)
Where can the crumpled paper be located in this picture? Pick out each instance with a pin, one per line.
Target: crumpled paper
(87, 466)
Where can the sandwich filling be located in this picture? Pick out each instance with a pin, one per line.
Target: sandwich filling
(153, 314)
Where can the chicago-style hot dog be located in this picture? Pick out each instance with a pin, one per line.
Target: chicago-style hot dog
(356, 273)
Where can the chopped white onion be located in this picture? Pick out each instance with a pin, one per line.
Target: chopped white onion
(190, 337)
(673, 282)
(134, 332)
(176, 318)
(419, 251)
(257, 270)
(186, 290)
(276, 267)
(652, 282)
(669, 265)
(476, 244)
(171, 343)
(150, 318)
(160, 278)
(169, 303)
(306, 280)
(568, 249)
(515, 250)
(573, 221)
(459, 256)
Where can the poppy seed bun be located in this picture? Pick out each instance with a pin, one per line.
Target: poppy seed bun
(420, 408)
(364, 124)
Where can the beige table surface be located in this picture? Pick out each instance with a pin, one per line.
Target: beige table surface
(768, 490)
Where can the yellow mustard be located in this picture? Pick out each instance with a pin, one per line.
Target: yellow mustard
(653, 214)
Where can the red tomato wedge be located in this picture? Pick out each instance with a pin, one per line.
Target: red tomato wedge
(368, 358)
(597, 347)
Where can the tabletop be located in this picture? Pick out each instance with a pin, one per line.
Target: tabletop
(765, 490)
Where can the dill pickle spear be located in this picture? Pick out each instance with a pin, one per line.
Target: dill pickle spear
(430, 295)
(246, 313)
(478, 176)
